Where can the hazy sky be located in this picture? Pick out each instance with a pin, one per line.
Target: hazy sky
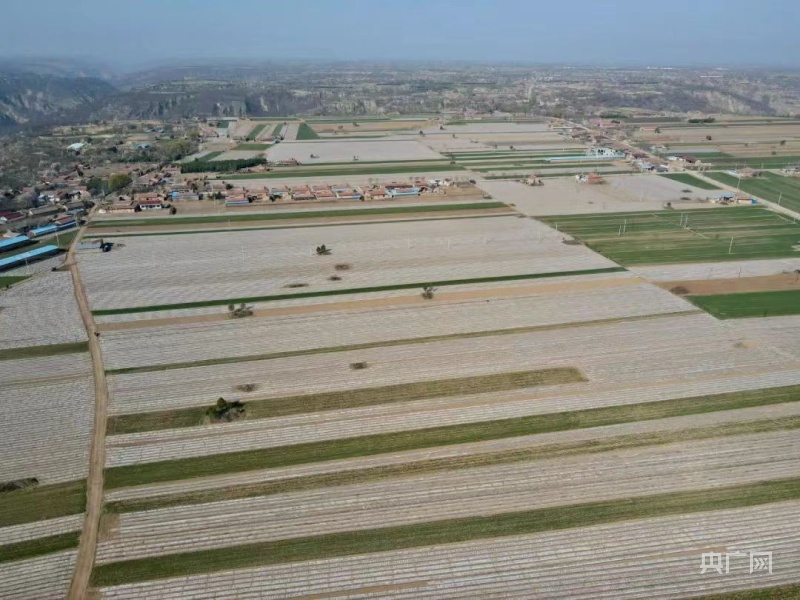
(608, 32)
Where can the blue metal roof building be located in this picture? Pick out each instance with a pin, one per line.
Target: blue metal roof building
(15, 242)
(25, 257)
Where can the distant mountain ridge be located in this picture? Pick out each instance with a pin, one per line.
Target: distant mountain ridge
(35, 99)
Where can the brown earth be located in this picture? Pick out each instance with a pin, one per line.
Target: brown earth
(411, 300)
(271, 224)
(733, 285)
(84, 562)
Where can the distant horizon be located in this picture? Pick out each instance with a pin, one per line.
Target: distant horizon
(123, 67)
(687, 34)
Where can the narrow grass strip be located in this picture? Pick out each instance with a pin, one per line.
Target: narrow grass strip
(42, 502)
(750, 304)
(781, 592)
(377, 288)
(358, 398)
(369, 445)
(41, 351)
(7, 281)
(689, 179)
(445, 532)
(39, 546)
(370, 474)
(229, 360)
(279, 216)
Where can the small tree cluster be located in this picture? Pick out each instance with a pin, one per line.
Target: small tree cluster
(428, 291)
(225, 411)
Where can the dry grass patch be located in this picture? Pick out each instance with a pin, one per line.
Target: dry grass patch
(405, 392)
(42, 502)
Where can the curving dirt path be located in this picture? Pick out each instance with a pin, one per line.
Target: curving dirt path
(94, 494)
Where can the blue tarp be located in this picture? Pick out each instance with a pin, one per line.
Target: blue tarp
(31, 255)
(15, 242)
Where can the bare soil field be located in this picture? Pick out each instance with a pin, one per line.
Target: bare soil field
(764, 283)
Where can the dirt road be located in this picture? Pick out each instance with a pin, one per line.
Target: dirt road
(735, 285)
(94, 494)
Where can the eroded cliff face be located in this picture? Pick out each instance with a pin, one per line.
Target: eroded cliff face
(31, 98)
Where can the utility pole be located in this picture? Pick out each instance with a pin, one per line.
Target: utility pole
(730, 248)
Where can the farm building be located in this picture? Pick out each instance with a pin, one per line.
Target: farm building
(378, 193)
(590, 178)
(13, 243)
(10, 216)
(149, 205)
(349, 194)
(302, 193)
(120, 206)
(26, 257)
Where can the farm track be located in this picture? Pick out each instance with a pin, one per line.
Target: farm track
(84, 561)
(656, 557)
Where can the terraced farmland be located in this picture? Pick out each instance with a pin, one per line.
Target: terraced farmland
(727, 233)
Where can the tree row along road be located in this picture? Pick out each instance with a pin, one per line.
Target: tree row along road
(94, 494)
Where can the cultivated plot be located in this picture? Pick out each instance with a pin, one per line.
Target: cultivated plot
(531, 303)
(725, 233)
(47, 422)
(40, 311)
(344, 151)
(622, 193)
(214, 266)
(652, 557)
